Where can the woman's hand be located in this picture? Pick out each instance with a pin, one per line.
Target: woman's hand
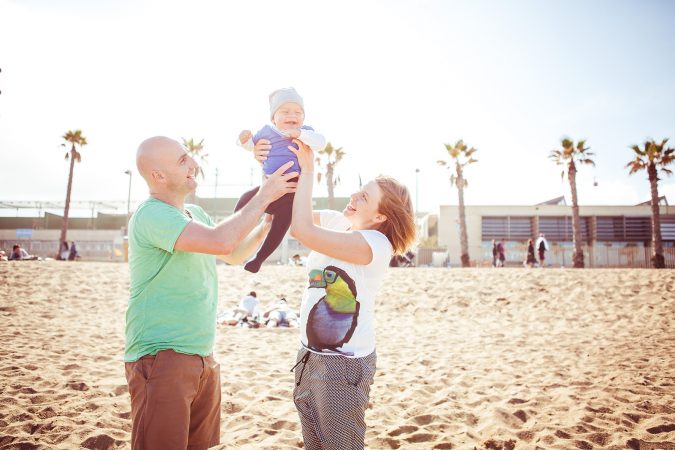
(261, 150)
(305, 156)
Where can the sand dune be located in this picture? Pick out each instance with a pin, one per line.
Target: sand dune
(497, 359)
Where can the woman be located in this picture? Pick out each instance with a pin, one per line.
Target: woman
(531, 260)
(350, 253)
(64, 252)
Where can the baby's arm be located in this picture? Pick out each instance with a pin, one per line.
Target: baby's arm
(309, 137)
(245, 140)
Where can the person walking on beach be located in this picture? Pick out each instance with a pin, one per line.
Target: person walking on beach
(173, 379)
(501, 253)
(542, 247)
(350, 253)
(530, 260)
(494, 253)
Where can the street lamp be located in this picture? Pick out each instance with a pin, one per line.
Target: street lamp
(128, 172)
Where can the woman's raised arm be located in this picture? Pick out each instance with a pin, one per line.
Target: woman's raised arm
(348, 246)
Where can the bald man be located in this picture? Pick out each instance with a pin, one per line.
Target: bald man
(173, 379)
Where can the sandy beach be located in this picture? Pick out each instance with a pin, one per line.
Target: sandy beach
(484, 358)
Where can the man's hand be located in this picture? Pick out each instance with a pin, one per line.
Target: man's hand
(293, 133)
(244, 136)
(277, 184)
(261, 149)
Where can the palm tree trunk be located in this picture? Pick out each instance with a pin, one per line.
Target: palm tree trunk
(576, 219)
(463, 240)
(330, 185)
(66, 210)
(658, 261)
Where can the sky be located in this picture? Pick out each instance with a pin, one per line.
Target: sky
(388, 81)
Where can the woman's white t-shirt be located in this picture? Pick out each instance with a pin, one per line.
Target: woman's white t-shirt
(337, 314)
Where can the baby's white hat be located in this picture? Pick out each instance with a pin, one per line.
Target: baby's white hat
(284, 95)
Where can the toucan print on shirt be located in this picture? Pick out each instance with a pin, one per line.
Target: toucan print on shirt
(333, 319)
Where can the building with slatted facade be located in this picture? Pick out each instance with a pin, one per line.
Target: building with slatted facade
(613, 236)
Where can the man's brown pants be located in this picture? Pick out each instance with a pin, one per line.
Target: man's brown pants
(175, 401)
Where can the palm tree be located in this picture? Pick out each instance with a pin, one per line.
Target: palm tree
(73, 138)
(329, 157)
(568, 157)
(195, 149)
(652, 158)
(461, 156)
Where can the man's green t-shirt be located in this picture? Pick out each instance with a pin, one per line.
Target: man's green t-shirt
(173, 294)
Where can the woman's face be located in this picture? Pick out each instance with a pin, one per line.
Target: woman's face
(362, 209)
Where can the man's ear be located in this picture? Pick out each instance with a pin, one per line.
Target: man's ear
(157, 176)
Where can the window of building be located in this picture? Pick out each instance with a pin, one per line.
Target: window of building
(559, 228)
(508, 228)
(668, 228)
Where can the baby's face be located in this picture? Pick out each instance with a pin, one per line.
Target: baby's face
(289, 115)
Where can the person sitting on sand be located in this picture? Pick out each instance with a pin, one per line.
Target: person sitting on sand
(19, 254)
(73, 253)
(64, 251)
(247, 311)
(280, 315)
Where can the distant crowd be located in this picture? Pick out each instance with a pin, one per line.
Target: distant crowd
(18, 253)
(540, 247)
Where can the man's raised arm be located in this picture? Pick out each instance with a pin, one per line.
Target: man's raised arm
(226, 237)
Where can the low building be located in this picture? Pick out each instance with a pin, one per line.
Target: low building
(613, 236)
(101, 236)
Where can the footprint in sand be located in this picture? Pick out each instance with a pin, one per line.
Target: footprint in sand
(443, 446)
(639, 444)
(405, 429)
(425, 419)
(601, 439)
(665, 428)
(100, 442)
(283, 424)
(120, 389)
(420, 437)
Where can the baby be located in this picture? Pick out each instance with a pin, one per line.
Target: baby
(287, 112)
